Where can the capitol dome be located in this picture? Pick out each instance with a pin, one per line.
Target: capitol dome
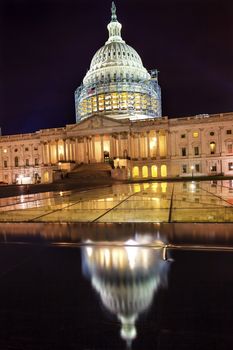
(117, 83)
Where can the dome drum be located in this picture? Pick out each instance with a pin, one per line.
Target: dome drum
(118, 98)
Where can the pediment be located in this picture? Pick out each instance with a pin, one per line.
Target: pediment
(96, 122)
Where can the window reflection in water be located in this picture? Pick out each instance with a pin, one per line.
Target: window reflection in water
(126, 277)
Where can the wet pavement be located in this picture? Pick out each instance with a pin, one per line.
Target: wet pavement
(193, 201)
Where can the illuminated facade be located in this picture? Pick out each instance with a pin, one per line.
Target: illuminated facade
(118, 118)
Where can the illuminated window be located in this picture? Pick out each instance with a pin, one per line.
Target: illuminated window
(212, 147)
(195, 134)
(230, 166)
(144, 171)
(135, 171)
(154, 171)
(163, 170)
(5, 150)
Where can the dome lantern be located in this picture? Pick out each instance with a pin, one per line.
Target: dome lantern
(114, 27)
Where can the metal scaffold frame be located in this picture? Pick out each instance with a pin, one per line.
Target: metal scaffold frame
(119, 96)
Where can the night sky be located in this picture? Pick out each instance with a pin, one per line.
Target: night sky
(46, 47)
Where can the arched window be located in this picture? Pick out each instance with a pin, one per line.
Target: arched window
(144, 171)
(154, 171)
(16, 162)
(163, 170)
(212, 147)
(135, 171)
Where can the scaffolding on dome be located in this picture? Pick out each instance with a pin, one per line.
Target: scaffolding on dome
(123, 98)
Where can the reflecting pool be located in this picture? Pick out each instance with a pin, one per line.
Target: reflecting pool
(116, 286)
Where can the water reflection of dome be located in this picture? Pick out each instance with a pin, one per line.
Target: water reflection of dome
(126, 278)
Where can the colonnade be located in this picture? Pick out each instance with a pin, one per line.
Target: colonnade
(91, 149)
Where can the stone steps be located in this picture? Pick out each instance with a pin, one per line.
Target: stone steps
(96, 170)
(92, 167)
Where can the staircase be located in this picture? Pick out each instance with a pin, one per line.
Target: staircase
(94, 171)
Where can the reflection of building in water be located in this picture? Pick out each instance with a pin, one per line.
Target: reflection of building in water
(126, 278)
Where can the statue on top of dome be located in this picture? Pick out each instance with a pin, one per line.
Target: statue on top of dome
(113, 10)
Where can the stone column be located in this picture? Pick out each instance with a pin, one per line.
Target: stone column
(41, 154)
(201, 141)
(190, 150)
(9, 150)
(115, 146)
(133, 147)
(89, 143)
(44, 151)
(49, 152)
(158, 146)
(101, 148)
(139, 145)
(129, 145)
(22, 160)
(119, 145)
(167, 140)
(148, 144)
(73, 149)
(111, 153)
(57, 150)
(220, 146)
(64, 149)
(68, 149)
(93, 148)
(85, 150)
(77, 157)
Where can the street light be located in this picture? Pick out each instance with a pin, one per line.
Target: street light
(192, 168)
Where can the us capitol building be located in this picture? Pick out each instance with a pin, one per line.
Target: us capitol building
(119, 119)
